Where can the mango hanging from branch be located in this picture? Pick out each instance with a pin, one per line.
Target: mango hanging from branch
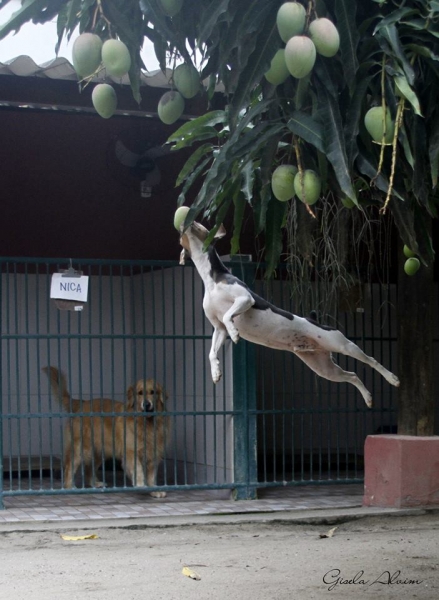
(308, 186)
(290, 20)
(282, 182)
(380, 128)
(170, 107)
(278, 72)
(116, 58)
(86, 54)
(300, 56)
(104, 100)
(325, 36)
(187, 80)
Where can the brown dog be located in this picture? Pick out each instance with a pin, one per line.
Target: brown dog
(137, 441)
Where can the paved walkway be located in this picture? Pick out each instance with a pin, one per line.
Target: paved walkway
(129, 505)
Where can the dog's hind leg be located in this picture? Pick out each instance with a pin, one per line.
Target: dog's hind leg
(218, 339)
(72, 460)
(351, 349)
(90, 471)
(322, 364)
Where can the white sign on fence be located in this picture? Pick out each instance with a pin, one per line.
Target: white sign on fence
(69, 288)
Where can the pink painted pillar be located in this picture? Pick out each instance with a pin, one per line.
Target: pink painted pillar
(401, 471)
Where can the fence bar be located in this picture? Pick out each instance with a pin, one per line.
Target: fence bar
(244, 403)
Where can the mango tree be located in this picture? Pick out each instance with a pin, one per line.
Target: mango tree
(341, 94)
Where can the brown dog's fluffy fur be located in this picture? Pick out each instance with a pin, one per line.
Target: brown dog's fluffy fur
(137, 441)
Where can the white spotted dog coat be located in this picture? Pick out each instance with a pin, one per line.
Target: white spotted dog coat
(234, 309)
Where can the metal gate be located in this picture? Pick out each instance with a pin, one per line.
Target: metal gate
(269, 421)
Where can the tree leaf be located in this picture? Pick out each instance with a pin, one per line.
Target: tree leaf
(127, 23)
(252, 115)
(190, 128)
(192, 162)
(345, 12)
(403, 215)
(73, 12)
(61, 24)
(368, 168)
(197, 135)
(404, 87)
(190, 180)
(274, 235)
(395, 17)
(422, 51)
(389, 35)
(266, 45)
(29, 10)
(248, 177)
(223, 202)
(160, 49)
(209, 18)
(334, 143)
(403, 138)
(307, 128)
(354, 115)
(162, 24)
(260, 209)
(232, 150)
(239, 202)
(232, 153)
(231, 38)
(263, 181)
(255, 139)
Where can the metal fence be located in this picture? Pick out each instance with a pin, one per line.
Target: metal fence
(269, 422)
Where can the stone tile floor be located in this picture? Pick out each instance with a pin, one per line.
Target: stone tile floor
(134, 504)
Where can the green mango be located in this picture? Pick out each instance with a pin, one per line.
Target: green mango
(170, 107)
(86, 54)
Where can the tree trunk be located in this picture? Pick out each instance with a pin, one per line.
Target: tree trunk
(415, 351)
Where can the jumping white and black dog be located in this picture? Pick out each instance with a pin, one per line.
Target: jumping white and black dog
(234, 309)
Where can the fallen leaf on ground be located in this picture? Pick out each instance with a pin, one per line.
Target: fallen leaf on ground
(77, 538)
(190, 573)
(329, 533)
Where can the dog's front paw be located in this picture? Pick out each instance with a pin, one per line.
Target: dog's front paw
(234, 334)
(158, 494)
(394, 380)
(368, 399)
(216, 375)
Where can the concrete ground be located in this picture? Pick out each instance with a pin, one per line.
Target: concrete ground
(293, 554)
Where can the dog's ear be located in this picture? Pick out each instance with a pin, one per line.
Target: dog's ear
(161, 396)
(220, 233)
(130, 397)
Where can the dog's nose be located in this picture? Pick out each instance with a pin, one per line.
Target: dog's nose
(148, 406)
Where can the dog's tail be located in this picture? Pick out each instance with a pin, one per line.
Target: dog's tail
(59, 386)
